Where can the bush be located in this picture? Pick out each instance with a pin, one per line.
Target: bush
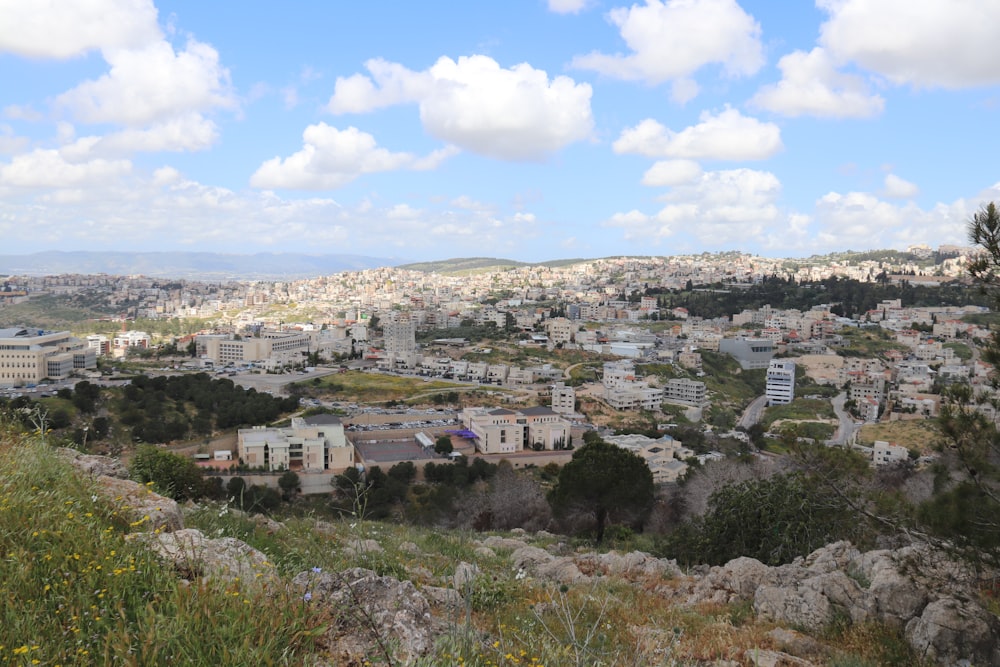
(173, 475)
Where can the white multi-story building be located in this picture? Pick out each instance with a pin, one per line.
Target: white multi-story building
(502, 431)
(683, 390)
(399, 336)
(563, 399)
(316, 444)
(780, 382)
(28, 356)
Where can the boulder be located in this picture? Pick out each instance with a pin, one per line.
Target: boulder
(375, 614)
(952, 632)
(464, 575)
(93, 465)
(735, 581)
(228, 559)
(144, 509)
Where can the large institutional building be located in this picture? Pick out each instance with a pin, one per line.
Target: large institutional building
(317, 444)
(501, 431)
(277, 347)
(28, 356)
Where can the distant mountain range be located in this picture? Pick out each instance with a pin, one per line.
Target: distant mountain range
(212, 266)
(190, 265)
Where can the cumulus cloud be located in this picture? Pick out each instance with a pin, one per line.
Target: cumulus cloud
(69, 29)
(47, 168)
(667, 173)
(811, 86)
(728, 135)
(331, 158)
(673, 39)
(10, 142)
(567, 6)
(897, 188)
(516, 113)
(929, 43)
(151, 85)
(843, 217)
(718, 208)
(189, 132)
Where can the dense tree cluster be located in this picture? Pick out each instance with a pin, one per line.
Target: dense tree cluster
(851, 298)
(164, 409)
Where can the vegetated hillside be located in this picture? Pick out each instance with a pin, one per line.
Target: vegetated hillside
(461, 265)
(100, 570)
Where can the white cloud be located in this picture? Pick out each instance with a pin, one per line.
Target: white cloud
(151, 85)
(674, 39)
(947, 43)
(46, 29)
(189, 132)
(46, 168)
(331, 158)
(726, 136)
(897, 188)
(10, 142)
(719, 208)
(667, 173)
(567, 6)
(810, 85)
(512, 114)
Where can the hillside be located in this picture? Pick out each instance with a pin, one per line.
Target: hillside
(463, 265)
(84, 584)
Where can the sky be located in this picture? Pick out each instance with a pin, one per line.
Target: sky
(525, 129)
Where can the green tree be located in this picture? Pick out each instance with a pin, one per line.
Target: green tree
(443, 446)
(967, 509)
(173, 475)
(289, 484)
(609, 483)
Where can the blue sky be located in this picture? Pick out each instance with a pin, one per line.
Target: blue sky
(533, 130)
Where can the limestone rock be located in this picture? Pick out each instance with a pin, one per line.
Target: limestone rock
(144, 509)
(953, 632)
(765, 658)
(464, 574)
(196, 556)
(93, 465)
(370, 608)
(735, 581)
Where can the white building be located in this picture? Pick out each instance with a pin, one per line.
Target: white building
(28, 356)
(563, 399)
(780, 382)
(315, 444)
(884, 453)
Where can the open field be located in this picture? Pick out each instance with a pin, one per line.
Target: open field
(917, 434)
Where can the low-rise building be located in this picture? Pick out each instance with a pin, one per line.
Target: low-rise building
(502, 431)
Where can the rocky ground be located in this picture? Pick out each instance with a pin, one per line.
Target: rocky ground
(933, 599)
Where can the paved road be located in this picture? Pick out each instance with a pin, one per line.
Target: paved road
(846, 429)
(753, 412)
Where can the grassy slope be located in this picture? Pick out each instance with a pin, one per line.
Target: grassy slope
(77, 591)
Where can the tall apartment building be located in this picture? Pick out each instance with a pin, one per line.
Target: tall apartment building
(563, 399)
(780, 382)
(399, 336)
(28, 356)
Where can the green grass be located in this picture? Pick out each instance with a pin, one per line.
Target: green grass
(78, 591)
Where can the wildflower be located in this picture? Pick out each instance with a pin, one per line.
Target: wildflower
(317, 570)
(308, 596)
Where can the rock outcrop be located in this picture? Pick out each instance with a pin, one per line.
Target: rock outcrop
(374, 615)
